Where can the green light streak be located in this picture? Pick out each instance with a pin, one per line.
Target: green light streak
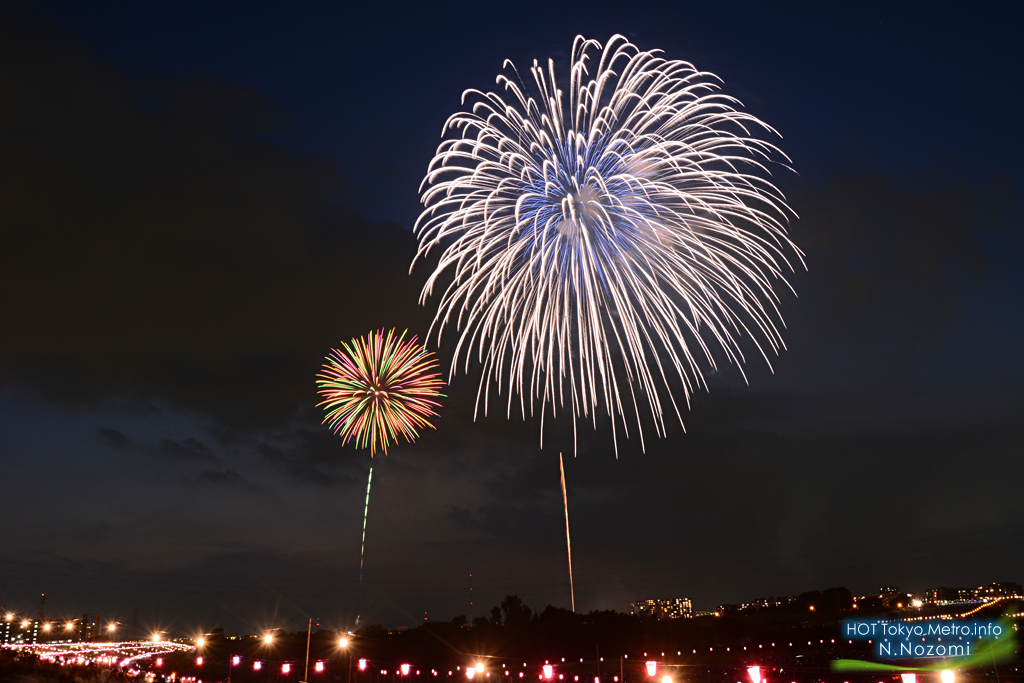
(366, 513)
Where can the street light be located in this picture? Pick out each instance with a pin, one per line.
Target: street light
(268, 639)
(947, 676)
(343, 642)
(200, 641)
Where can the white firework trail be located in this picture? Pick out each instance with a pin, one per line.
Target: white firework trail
(601, 252)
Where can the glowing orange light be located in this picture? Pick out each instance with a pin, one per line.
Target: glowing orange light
(343, 642)
(200, 642)
(70, 625)
(268, 639)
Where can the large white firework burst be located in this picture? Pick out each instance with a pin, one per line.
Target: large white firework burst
(604, 250)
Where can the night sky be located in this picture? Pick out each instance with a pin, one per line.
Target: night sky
(198, 200)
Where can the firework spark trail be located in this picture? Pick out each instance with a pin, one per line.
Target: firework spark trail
(379, 387)
(568, 542)
(602, 252)
(366, 513)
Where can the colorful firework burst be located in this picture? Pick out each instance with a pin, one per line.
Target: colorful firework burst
(379, 387)
(602, 252)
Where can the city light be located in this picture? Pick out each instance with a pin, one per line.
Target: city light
(159, 661)
(362, 665)
(286, 668)
(652, 668)
(405, 669)
(10, 616)
(947, 676)
(156, 637)
(25, 623)
(256, 666)
(909, 678)
(236, 660)
(112, 627)
(343, 642)
(755, 674)
(46, 627)
(549, 671)
(666, 679)
(318, 667)
(200, 642)
(199, 661)
(268, 639)
(70, 625)
(479, 668)
(470, 672)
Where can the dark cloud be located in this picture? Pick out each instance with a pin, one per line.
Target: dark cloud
(295, 462)
(189, 449)
(114, 438)
(220, 477)
(157, 246)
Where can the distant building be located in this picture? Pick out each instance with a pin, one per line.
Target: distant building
(676, 608)
(764, 603)
(19, 631)
(1005, 589)
(946, 596)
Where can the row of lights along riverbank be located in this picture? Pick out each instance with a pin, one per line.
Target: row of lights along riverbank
(126, 654)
